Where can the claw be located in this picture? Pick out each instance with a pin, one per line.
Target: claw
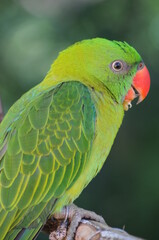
(76, 215)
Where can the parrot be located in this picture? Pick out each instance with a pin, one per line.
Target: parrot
(56, 137)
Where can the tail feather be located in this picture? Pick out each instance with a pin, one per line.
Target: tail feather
(7, 222)
(12, 228)
(24, 234)
(16, 234)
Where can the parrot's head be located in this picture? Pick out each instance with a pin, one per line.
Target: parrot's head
(104, 64)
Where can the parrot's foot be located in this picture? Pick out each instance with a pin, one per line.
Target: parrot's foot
(60, 232)
(74, 215)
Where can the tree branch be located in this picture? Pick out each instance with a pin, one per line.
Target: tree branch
(87, 230)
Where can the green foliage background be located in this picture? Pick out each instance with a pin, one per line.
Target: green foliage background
(32, 32)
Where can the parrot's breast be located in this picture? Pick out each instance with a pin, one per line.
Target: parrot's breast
(109, 116)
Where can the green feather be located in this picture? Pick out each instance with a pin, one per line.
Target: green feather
(10, 194)
(12, 165)
(46, 163)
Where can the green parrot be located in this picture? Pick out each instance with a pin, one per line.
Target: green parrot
(57, 136)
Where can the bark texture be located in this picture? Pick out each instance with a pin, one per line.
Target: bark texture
(87, 230)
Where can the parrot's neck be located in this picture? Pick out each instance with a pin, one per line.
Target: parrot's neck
(64, 72)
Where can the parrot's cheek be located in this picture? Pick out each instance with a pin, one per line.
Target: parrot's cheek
(139, 88)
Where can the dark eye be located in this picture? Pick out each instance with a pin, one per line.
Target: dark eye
(117, 66)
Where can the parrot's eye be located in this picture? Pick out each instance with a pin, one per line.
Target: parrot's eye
(117, 66)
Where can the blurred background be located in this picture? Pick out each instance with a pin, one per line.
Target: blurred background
(32, 32)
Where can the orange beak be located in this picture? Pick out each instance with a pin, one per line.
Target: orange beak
(139, 88)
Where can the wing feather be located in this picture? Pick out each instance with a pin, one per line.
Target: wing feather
(47, 148)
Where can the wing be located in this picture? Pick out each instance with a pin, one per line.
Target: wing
(47, 146)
